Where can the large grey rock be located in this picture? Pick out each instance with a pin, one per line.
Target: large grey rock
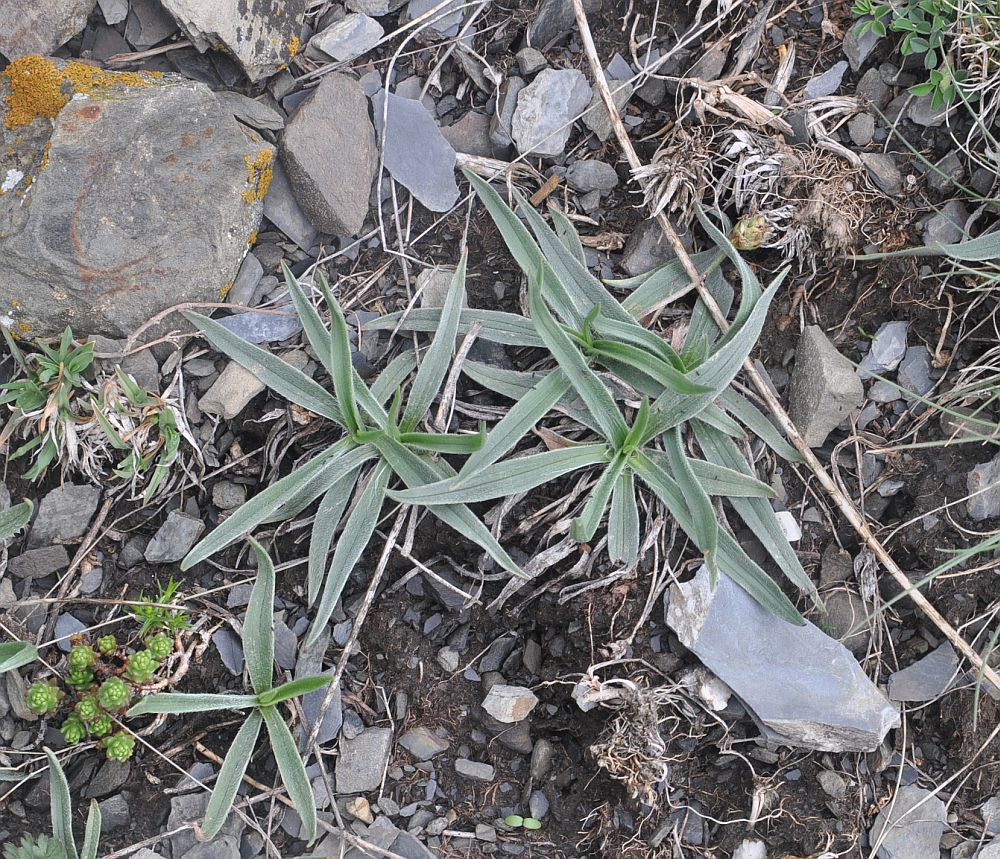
(263, 35)
(824, 387)
(926, 678)
(114, 11)
(983, 483)
(591, 175)
(546, 109)
(352, 36)
(363, 760)
(415, 152)
(30, 27)
(178, 533)
(826, 83)
(857, 45)
(910, 826)
(887, 350)
(329, 154)
(803, 687)
(947, 226)
(555, 18)
(139, 194)
(64, 514)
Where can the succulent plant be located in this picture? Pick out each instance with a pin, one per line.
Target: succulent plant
(80, 680)
(113, 694)
(81, 658)
(102, 725)
(119, 747)
(87, 708)
(73, 730)
(42, 847)
(43, 698)
(160, 646)
(107, 644)
(141, 667)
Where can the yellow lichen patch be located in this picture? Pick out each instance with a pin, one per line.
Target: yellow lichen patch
(294, 44)
(252, 239)
(225, 290)
(24, 327)
(40, 88)
(44, 161)
(258, 175)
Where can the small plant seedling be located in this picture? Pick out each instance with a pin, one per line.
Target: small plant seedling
(100, 684)
(258, 648)
(61, 844)
(155, 614)
(515, 821)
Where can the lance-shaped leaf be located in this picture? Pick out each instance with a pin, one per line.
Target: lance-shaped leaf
(328, 516)
(497, 326)
(293, 689)
(665, 375)
(258, 626)
(342, 368)
(623, 520)
(754, 420)
(510, 477)
(437, 359)
(415, 472)
(395, 373)
(334, 462)
(357, 532)
(704, 525)
(583, 528)
(61, 806)
(292, 770)
(190, 702)
(281, 377)
(234, 766)
(15, 654)
(459, 444)
(567, 234)
(316, 332)
(585, 382)
(15, 518)
(91, 832)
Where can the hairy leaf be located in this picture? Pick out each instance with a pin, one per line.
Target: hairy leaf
(234, 766)
(258, 627)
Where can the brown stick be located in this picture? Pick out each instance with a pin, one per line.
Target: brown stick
(843, 503)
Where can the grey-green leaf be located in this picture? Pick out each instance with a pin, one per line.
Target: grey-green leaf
(292, 770)
(15, 654)
(258, 627)
(328, 515)
(91, 832)
(508, 329)
(15, 518)
(190, 702)
(234, 766)
(61, 806)
(623, 521)
(583, 528)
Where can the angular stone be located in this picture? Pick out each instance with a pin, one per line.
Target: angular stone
(66, 627)
(40, 562)
(554, 19)
(647, 248)
(114, 813)
(230, 650)
(445, 23)
(344, 40)
(310, 662)
(503, 117)
(190, 808)
(237, 386)
(375, 8)
(64, 514)
(546, 109)
(914, 371)
(824, 387)
(883, 171)
(283, 210)
(471, 135)
(591, 175)
(114, 11)
(263, 35)
(597, 118)
(921, 112)
(423, 743)
(926, 678)
(260, 327)
(842, 612)
(250, 111)
(804, 688)
(363, 760)
(530, 60)
(136, 194)
(828, 82)
(857, 45)
(227, 495)
(148, 24)
(509, 704)
(946, 227)
(910, 826)
(329, 154)
(861, 128)
(178, 533)
(222, 847)
(983, 483)
(475, 770)
(28, 27)
(415, 152)
(887, 350)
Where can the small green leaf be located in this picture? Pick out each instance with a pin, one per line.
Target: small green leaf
(704, 524)
(583, 528)
(623, 521)
(328, 515)
(15, 518)
(92, 832)
(496, 326)
(293, 689)
(190, 702)
(15, 654)
(340, 360)
(292, 770)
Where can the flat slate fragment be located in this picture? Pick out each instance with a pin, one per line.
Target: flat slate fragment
(803, 687)
(32, 27)
(910, 826)
(927, 678)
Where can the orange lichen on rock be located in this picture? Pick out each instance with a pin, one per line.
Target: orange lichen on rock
(294, 44)
(41, 87)
(258, 175)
